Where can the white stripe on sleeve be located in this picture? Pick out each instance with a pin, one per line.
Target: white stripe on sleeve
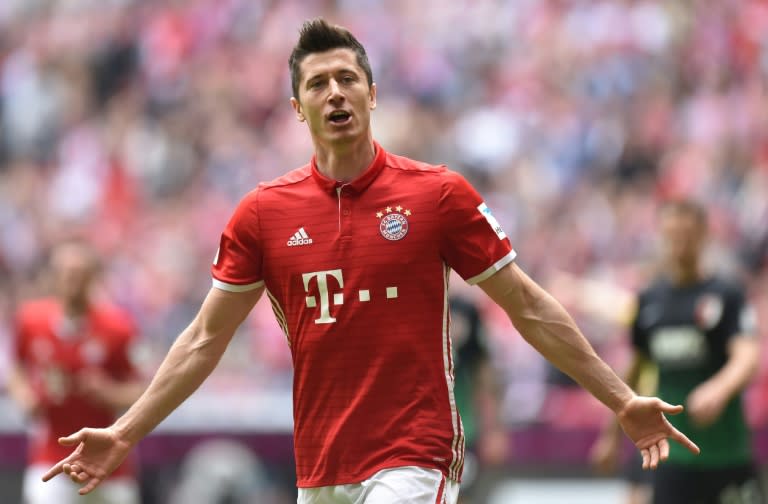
(236, 288)
(493, 269)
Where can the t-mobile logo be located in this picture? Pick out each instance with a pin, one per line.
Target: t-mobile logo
(322, 287)
(364, 295)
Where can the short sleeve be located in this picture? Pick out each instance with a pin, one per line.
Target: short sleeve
(237, 265)
(472, 241)
(638, 333)
(739, 317)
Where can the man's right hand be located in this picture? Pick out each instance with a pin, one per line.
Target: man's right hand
(97, 454)
(643, 420)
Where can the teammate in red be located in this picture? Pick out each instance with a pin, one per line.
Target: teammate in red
(354, 251)
(72, 370)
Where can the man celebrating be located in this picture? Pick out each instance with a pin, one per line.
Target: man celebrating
(354, 251)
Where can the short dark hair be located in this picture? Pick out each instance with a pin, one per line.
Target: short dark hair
(687, 207)
(317, 35)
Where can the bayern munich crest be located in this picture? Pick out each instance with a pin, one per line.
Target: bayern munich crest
(393, 223)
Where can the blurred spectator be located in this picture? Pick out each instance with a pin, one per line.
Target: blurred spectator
(73, 368)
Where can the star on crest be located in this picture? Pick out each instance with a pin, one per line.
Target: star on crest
(393, 209)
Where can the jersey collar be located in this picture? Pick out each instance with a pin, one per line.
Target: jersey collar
(357, 185)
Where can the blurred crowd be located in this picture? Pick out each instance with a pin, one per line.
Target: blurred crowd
(140, 124)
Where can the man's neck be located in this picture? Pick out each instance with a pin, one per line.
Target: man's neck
(75, 308)
(685, 275)
(347, 162)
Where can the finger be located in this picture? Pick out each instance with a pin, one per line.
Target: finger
(93, 483)
(654, 450)
(74, 469)
(683, 440)
(671, 409)
(663, 449)
(54, 471)
(67, 469)
(82, 477)
(646, 458)
(73, 439)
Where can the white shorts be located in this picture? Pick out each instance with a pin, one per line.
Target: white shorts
(62, 490)
(401, 485)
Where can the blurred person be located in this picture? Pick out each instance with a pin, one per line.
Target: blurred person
(478, 400)
(72, 369)
(699, 330)
(354, 250)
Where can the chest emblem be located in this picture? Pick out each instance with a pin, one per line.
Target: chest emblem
(93, 352)
(393, 222)
(708, 311)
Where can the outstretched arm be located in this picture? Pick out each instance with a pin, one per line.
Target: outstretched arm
(546, 325)
(188, 363)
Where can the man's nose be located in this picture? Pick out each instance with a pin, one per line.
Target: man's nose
(335, 91)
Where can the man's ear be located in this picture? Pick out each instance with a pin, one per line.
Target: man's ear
(372, 96)
(297, 108)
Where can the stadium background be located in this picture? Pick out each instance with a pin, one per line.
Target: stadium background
(142, 123)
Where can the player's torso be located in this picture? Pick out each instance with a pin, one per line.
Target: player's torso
(358, 283)
(57, 350)
(335, 259)
(687, 338)
(56, 353)
(684, 328)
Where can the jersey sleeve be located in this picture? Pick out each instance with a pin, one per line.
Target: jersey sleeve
(739, 317)
(637, 332)
(237, 265)
(472, 241)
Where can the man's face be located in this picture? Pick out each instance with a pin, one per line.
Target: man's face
(334, 97)
(73, 271)
(683, 236)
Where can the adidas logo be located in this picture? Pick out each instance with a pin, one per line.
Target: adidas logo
(300, 237)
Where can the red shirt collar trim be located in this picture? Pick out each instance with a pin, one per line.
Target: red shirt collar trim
(358, 184)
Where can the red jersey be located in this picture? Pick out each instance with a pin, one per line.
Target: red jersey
(52, 352)
(357, 274)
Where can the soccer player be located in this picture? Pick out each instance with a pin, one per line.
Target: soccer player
(699, 331)
(478, 400)
(354, 251)
(72, 369)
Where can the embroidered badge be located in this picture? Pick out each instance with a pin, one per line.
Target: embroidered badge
(393, 223)
(708, 310)
(486, 212)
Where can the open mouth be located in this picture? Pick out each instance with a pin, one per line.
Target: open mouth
(339, 117)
